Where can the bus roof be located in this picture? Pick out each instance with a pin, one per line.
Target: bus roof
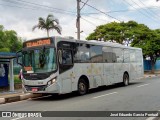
(95, 42)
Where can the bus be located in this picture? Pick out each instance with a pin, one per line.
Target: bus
(64, 64)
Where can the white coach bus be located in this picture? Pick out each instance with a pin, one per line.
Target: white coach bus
(62, 65)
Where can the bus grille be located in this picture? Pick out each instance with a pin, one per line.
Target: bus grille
(39, 88)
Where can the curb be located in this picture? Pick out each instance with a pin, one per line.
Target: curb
(2, 100)
(18, 98)
(151, 76)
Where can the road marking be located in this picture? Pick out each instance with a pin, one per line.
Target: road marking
(1, 105)
(152, 118)
(11, 103)
(142, 85)
(105, 95)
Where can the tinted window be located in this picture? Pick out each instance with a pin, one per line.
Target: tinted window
(82, 53)
(118, 58)
(65, 50)
(96, 54)
(40, 60)
(108, 55)
(66, 57)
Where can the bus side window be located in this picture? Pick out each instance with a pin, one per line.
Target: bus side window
(65, 57)
(107, 54)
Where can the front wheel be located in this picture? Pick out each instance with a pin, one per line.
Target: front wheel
(125, 79)
(82, 87)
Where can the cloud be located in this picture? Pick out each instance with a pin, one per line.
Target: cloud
(22, 16)
(139, 4)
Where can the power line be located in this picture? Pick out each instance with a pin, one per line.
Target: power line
(126, 10)
(18, 7)
(151, 11)
(36, 9)
(97, 18)
(102, 12)
(45, 6)
(146, 15)
(30, 7)
(140, 7)
(84, 4)
(89, 22)
(30, 4)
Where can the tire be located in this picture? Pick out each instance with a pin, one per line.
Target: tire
(125, 79)
(82, 87)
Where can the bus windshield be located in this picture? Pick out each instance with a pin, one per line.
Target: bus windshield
(39, 60)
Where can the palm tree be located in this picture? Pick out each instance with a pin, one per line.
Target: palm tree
(49, 24)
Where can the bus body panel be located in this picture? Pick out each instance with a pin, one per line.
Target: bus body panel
(107, 72)
(66, 79)
(118, 72)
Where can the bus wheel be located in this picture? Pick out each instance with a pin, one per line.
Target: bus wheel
(82, 87)
(125, 79)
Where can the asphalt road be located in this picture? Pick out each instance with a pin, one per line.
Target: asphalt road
(140, 95)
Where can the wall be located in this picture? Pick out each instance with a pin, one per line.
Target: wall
(147, 65)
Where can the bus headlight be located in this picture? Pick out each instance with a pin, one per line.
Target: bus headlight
(51, 81)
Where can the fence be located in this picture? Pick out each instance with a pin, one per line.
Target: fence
(147, 65)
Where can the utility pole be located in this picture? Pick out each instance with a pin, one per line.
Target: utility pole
(78, 19)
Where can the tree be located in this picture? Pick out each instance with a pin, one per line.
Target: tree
(9, 41)
(49, 24)
(150, 46)
(119, 32)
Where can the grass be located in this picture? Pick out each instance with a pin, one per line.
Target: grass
(16, 79)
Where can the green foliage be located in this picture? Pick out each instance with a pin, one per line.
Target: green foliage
(9, 41)
(4, 50)
(50, 23)
(16, 70)
(16, 79)
(120, 32)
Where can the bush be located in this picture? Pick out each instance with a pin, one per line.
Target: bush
(16, 79)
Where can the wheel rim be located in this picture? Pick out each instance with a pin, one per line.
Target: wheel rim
(126, 80)
(82, 88)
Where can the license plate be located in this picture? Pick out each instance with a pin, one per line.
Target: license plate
(34, 89)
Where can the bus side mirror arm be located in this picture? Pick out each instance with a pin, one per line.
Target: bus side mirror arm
(17, 57)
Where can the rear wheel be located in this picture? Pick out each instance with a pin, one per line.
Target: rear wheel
(82, 87)
(125, 79)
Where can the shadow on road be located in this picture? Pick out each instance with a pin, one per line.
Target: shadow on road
(57, 97)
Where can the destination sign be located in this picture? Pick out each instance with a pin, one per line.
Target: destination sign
(38, 43)
(28, 68)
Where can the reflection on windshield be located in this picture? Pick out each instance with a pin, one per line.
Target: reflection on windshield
(39, 60)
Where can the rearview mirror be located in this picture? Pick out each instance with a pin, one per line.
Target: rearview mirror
(60, 56)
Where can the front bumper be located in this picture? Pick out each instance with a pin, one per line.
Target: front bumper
(54, 88)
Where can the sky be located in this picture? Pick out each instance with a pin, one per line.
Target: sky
(22, 15)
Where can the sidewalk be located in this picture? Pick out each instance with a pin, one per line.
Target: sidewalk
(17, 95)
(5, 92)
(148, 75)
